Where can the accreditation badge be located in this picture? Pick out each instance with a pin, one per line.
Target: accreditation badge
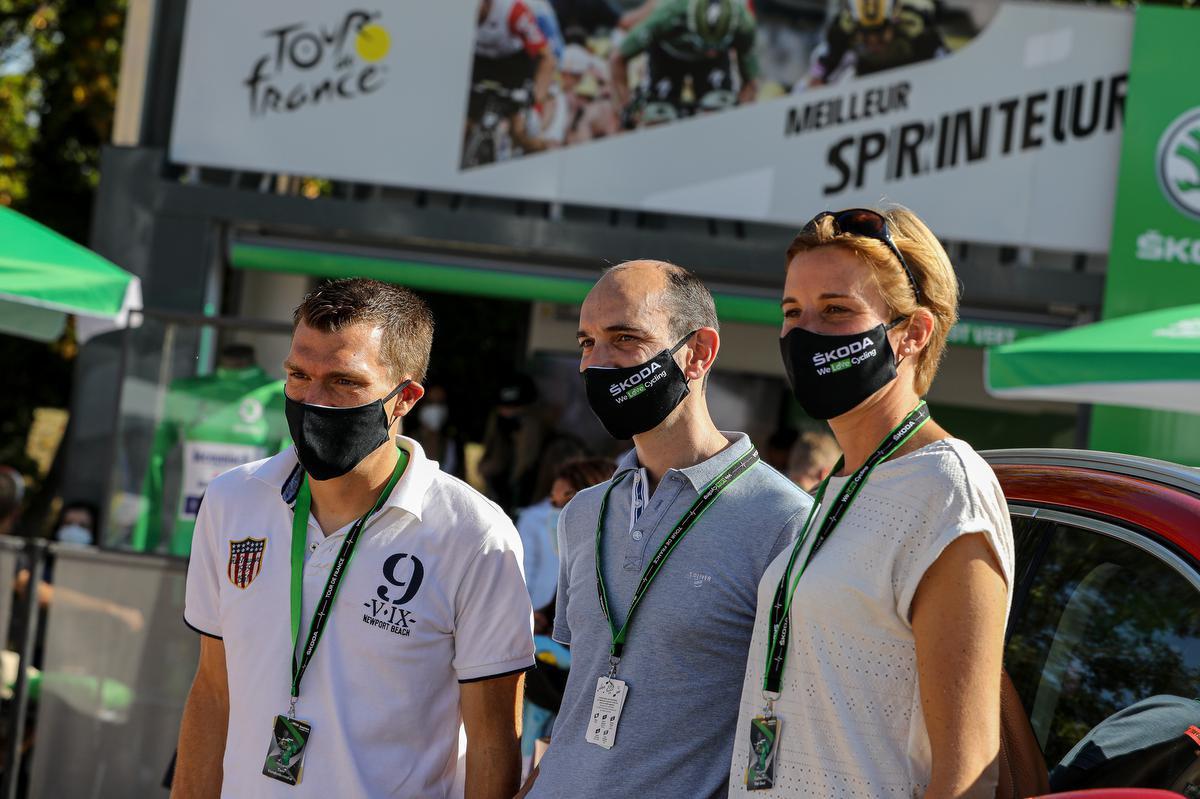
(764, 746)
(606, 711)
(285, 756)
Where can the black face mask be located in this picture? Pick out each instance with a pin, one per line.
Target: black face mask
(629, 400)
(332, 441)
(831, 375)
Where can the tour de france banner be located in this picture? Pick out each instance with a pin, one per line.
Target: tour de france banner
(1155, 257)
(998, 121)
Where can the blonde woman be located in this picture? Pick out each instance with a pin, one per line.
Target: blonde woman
(875, 665)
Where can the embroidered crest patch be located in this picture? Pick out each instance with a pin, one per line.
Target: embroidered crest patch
(245, 560)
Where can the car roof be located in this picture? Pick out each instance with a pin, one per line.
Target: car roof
(1157, 496)
(1165, 473)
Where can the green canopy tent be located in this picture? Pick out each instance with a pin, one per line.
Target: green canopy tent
(1147, 360)
(44, 277)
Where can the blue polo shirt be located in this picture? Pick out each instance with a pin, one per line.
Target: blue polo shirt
(685, 656)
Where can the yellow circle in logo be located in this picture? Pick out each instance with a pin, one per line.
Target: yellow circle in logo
(373, 42)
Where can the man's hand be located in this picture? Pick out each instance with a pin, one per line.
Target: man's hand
(198, 770)
(491, 712)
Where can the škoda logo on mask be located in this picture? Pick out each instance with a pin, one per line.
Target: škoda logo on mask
(637, 379)
(845, 351)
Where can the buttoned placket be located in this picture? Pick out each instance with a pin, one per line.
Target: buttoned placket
(322, 549)
(642, 528)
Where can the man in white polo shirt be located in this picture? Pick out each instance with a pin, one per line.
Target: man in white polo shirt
(356, 603)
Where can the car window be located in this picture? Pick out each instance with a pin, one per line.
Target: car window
(1030, 537)
(1104, 623)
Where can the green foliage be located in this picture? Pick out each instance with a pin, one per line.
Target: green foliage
(59, 61)
(58, 73)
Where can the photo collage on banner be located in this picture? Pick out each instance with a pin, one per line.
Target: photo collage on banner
(548, 74)
(752, 110)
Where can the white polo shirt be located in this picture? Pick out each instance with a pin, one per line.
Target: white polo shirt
(433, 597)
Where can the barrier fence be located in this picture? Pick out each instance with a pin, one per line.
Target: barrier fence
(105, 663)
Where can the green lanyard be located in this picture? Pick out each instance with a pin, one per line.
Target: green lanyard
(299, 539)
(708, 495)
(782, 605)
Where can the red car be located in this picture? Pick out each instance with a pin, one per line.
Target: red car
(1106, 608)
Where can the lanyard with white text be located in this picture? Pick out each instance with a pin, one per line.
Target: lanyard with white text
(782, 604)
(708, 495)
(321, 614)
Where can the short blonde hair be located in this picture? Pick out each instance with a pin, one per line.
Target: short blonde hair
(931, 268)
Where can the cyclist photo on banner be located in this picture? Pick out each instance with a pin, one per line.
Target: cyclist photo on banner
(513, 70)
(692, 47)
(552, 74)
(873, 35)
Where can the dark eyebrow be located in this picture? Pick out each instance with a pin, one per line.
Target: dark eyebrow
(619, 328)
(335, 375)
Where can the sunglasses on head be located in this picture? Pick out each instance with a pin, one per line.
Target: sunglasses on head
(868, 224)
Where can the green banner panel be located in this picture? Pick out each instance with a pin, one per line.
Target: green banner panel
(532, 287)
(1154, 261)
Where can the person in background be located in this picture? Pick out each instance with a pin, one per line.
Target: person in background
(538, 527)
(12, 493)
(875, 665)
(779, 448)
(812, 458)
(512, 445)
(436, 433)
(76, 527)
(76, 523)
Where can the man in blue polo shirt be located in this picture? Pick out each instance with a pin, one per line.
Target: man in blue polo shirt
(684, 530)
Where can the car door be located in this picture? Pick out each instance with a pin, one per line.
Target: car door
(1104, 615)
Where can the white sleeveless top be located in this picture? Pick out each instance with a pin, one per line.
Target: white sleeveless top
(850, 706)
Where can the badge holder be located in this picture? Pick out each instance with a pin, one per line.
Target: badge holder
(764, 750)
(285, 756)
(606, 709)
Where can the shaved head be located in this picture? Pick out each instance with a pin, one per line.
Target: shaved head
(660, 294)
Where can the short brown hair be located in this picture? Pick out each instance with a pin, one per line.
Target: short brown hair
(405, 319)
(930, 266)
(583, 473)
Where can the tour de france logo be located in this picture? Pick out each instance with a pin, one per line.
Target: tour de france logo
(306, 64)
(1179, 163)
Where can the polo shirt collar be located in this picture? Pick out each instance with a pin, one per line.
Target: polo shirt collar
(702, 473)
(283, 472)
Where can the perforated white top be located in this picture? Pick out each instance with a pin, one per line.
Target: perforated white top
(850, 710)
